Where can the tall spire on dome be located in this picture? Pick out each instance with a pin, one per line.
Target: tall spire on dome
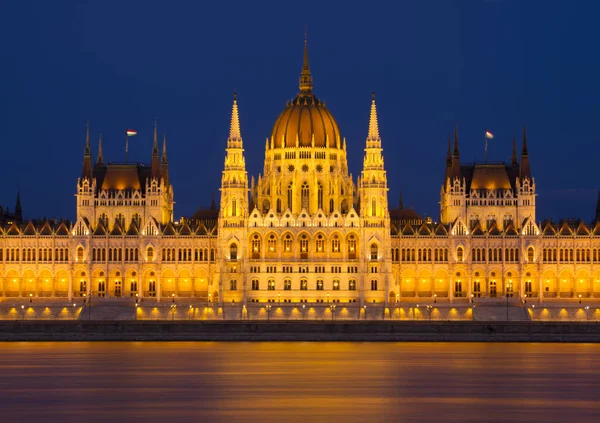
(449, 154)
(455, 156)
(164, 166)
(100, 160)
(456, 150)
(306, 82)
(524, 151)
(155, 144)
(235, 134)
(373, 123)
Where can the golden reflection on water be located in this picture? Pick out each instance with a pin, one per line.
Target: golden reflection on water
(303, 381)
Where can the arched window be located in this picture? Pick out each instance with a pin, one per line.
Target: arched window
(303, 247)
(287, 244)
(233, 251)
(287, 285)
(320, 196)
(233, 207)
(255, 246)
(289, 196)
(271, 285)
(255, 285)
(374, 285)
(459, 254)
(305, 195)
(266, 206)
(320, 244)
(279, 205)
(233, 285)
(272, 243)
(331, 208)
(336, 285)
(335, 244)
(303, 285)
(79, 253)
(530, 254)
(373, 207)
(351, 247)
(320, 285)
(352, 285)
(373, 251)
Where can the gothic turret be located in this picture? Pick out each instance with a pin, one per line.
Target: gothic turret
(525, 171)
(18, 209)
(155, 173)
(86, 172)
(455, 156)
(164, 162)
(100, 160)
(234, 182)
(373, 182)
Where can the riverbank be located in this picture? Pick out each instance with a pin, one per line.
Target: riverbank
(468, 331)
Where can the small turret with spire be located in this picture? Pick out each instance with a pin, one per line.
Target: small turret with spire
(514, 160)
(525, 170)
(155, 157)
(164, 166)
(100, 160)
(456, 156)
(86, 172)
(18, 209)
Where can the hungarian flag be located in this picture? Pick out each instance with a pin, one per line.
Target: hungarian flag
(489, 135)
(131, 132)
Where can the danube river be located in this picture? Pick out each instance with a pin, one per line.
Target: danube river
(276, 381)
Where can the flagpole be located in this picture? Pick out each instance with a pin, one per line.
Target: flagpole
(126, 147)
(486, 140)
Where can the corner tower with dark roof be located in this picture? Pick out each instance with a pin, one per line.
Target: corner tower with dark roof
(488, 194)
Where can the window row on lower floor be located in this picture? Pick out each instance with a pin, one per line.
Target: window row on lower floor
(302, 285)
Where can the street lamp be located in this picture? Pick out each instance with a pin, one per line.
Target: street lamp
(507, 306)
(30, 298)
(279, 297)
(525, 298)
(332, 308)
(304, 311)
(23, 311)
(579, 298)
(429, 310)
(268, 308)
(173, 308)
(586, 312)
(191, 311)
(435, 298)
(472, 298)
(365, 308)
(173, 296)
(328, 297)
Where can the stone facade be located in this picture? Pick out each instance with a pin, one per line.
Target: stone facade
(303, 231)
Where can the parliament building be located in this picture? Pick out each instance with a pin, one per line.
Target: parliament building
(303, 231)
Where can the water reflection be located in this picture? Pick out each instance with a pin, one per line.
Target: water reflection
(299, 382)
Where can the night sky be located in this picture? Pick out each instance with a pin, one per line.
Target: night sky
(433, 64)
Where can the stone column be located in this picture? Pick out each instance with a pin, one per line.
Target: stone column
(70, 295)
(158, 287)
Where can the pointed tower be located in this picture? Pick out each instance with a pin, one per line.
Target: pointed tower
(234, 182)
(456, 156)
(164, 162)
(306, 83)
(373, 186)
(525, 171)
(86, 172)
(452, 194)
(100, 160)
(155, 173)
(597, 219)
(18, 209)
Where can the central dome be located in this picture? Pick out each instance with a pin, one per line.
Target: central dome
(305, 118)
(305, 121)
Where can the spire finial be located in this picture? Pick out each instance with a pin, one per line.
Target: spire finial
(235, 134)
(456, 150)
(373, 124)
(164, 149)
(88, 150)
(305, 76)
(100, 160)
(155, 145)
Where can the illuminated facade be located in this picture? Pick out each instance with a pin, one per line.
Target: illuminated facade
(303, 231)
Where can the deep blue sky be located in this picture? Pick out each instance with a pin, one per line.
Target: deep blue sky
(494, 64)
